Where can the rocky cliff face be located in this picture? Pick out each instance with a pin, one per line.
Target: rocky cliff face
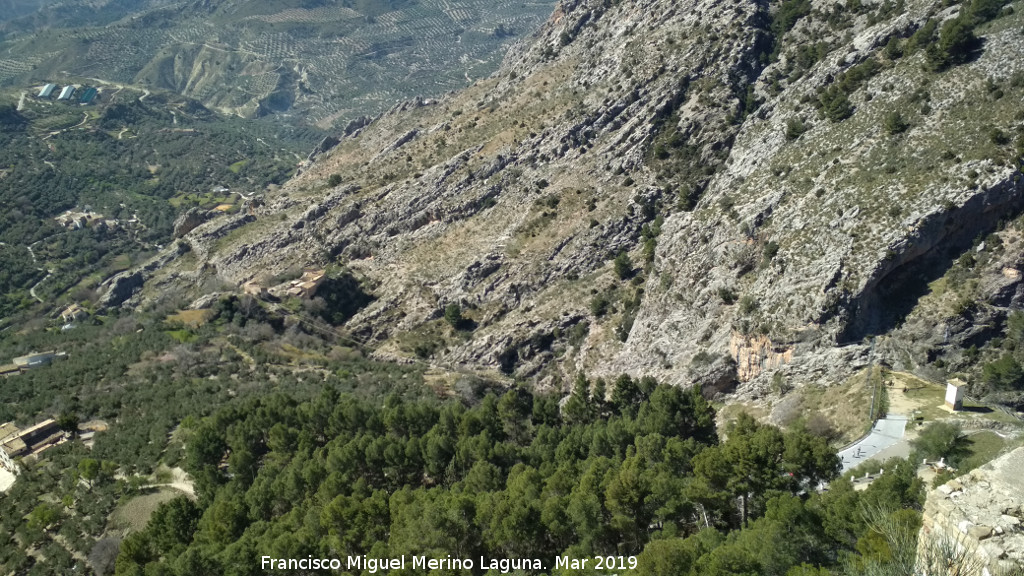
(763, 232)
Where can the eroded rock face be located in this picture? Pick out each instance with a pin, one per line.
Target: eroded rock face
(189, 220)
(500, 218)
(657, 129)
(859, 222)
(121, 287)
(325, 145)
(969, 305)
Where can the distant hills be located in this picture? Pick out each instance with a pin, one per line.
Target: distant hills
(323, 61)
(12, 9)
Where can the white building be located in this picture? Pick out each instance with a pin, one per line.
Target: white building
(37, 359)
(955, 390)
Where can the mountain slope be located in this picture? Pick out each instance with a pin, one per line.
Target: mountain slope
(859, 219)
(746, 158)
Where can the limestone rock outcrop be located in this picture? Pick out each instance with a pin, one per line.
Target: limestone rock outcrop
(979, 514)
(188, 220)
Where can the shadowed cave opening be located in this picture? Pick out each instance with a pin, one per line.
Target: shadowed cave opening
(901, 281)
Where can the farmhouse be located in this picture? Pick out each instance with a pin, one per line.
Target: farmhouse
(78, 220)
(73, 312)
(253, 288)
(66, 93)
(32, 440)
(47, 90)
(306, 286)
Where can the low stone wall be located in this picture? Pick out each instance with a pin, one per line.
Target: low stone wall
(980, 514)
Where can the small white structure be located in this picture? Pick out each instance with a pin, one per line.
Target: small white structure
(955, 394)
(8, 471)
(37, 359)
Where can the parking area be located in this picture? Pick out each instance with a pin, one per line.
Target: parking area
(887, 435)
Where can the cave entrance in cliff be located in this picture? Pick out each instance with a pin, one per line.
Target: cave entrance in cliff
(897, 289)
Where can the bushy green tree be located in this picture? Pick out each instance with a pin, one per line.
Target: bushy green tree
(893, 50)
(893, 123)
(578, 408)
(599, 305)
(453, 314)
(756, 459)
(1004, 373)
(625, 394)
(89, 469)
(794, 128)
(941, 440)
(984, 10)
(835, 104)
(788, 14)
(956, 40)
(623, 265)
(924, 36)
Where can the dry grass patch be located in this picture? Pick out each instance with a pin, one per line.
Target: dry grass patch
(915, 397)
(298, 355)
(847, 407)
(191, 318)
(134, 514)
(728, 413)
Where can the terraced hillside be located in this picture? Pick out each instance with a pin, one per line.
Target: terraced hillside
(327, 62)
(11, 9)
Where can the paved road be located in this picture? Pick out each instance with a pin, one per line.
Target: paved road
(32, 290)
(887, 433)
